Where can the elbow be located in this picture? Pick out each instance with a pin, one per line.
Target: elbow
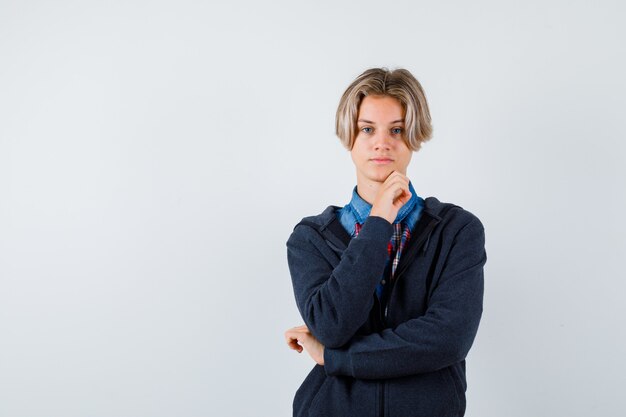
(458, 350)
(458, 353)
(331, 336)
(335, 340)
(329, 329)
(446, 355)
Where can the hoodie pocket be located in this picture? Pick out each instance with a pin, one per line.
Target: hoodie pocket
(345, 397)
(431, 394)
(459, 386)
(308, 390)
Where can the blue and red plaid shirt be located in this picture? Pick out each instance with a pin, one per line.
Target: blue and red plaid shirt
(353, 215)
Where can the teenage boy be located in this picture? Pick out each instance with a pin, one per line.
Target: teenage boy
(390, 287)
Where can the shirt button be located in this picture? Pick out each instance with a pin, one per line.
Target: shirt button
(383, 282)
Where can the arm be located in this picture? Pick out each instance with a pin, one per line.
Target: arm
(439, 338)
(335, 302)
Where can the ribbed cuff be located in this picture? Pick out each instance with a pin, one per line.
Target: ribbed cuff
(337, 361)
(376, 227)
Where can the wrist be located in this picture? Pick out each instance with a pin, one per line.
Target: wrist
(387, 217)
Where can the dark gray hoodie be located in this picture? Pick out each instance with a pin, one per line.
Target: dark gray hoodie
(408, 360)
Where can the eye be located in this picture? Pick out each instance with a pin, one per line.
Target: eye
(396, 131)
(367, 129)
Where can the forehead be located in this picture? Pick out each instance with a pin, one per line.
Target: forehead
(381, 109)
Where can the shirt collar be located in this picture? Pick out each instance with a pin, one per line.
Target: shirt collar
(361, 208)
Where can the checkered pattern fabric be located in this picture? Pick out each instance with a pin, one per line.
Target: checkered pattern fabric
(399, 239)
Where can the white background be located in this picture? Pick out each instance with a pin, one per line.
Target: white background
(155, 155)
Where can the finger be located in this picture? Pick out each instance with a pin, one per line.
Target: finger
(291, 335)
(297, 329)
(400, 190)
(395, 183)
(403, 198)
(293, 342)
(297, 333)
(396, 175)
(395, 178)
(402, 201)
(294, 345)
(406, 194)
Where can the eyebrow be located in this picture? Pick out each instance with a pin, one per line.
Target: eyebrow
(370, 122)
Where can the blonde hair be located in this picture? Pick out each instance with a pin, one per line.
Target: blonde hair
(399, 84)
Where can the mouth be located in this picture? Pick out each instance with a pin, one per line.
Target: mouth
(381, 161)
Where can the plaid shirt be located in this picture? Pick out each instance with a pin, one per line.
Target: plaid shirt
(357, 211)
(354, 214)
(395, 246)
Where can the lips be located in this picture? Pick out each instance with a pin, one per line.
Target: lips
(381, 160)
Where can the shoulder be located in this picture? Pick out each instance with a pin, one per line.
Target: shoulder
(458, 230)
(311, 226)
(452, 216)
(321, 220)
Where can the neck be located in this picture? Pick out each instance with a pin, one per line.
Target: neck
(368, 189)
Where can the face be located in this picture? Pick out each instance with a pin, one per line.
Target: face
(379, 147)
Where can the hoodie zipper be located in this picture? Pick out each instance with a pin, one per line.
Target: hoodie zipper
(404, 262)
(383, 314)
(381, 400)
(381, 385)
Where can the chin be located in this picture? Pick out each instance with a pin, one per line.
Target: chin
(380, 176)
(377, 174)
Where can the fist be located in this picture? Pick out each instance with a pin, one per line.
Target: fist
(299, 338)
(391, 196)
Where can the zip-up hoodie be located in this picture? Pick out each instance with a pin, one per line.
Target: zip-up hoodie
(408, 360)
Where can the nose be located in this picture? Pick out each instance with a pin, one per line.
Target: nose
(382, 141)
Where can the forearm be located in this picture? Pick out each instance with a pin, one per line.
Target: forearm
(417, 346)
(440, 337)
(335, 302)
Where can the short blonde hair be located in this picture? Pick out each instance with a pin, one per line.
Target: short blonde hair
(399, 84)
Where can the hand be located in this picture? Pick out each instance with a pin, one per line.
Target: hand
(391, 196)
(299, 337)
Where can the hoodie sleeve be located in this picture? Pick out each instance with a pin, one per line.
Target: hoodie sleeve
(439, 338)
(335, 302)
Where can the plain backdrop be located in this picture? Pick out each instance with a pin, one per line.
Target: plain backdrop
(155, 156)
